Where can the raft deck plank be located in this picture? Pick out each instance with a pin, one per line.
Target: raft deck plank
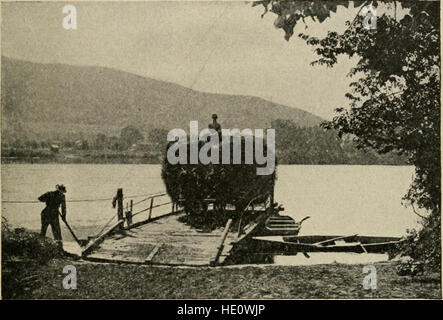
(166, 241)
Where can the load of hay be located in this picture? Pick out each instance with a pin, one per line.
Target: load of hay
(190, 185)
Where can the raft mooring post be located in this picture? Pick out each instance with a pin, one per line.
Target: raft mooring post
(129, 213)
(272, 194)
(150, 208)
(120, 206)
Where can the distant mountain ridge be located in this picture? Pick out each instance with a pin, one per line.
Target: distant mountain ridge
(56, 101)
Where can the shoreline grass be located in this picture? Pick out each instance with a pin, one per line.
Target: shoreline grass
(122, 281)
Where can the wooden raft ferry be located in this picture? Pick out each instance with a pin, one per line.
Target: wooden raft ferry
(167, 240)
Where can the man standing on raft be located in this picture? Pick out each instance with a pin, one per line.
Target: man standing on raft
(53, 200)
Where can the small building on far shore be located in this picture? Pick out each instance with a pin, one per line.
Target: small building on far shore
(141, 146)
(54, 147)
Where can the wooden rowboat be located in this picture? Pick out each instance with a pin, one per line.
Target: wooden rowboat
(290, 245)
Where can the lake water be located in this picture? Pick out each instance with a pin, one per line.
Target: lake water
(362, 200)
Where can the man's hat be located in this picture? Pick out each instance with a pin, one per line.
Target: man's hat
(61, 188)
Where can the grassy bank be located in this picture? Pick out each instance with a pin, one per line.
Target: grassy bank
(32, 268)
(114, 281)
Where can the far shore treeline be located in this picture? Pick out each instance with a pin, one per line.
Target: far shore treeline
(294, 145)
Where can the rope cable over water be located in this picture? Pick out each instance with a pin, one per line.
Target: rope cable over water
(147, 197)
(88, 200)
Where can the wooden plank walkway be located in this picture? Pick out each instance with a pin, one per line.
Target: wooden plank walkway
(165, 241)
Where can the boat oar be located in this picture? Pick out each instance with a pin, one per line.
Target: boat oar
(70, 230)
(324, 242)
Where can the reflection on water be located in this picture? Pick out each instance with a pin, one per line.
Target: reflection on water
(346, 200)
(340, 199)
(83, 181)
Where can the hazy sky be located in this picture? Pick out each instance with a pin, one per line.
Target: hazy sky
(211, 46)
